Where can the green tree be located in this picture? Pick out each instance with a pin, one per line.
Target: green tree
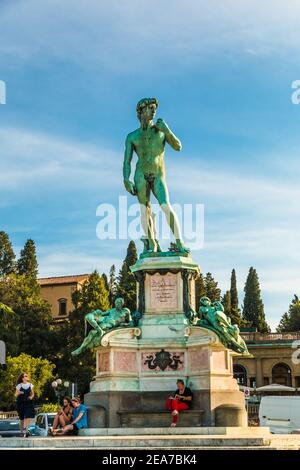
(253, 309)
(40, 372)
(226, 302)
(211, 288)
(126, 280)
(105, 281)
(112, 284)
(92, 296)
(22, 295)
(200, 290)
(27, 263)
(9, 329)
(284, 324)
(290, 320)
(235, 313)
(7, 255)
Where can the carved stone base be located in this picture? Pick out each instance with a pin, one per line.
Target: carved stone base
(137, 368)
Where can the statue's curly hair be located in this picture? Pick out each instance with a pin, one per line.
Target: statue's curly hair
(144, 102)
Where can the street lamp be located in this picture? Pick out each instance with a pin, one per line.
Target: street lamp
(60, 388)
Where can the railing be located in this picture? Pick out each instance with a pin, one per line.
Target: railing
(8, 415)
(253, 410)
(14, 414)
(265, 337)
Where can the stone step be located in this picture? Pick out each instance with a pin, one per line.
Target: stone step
(229, 431)
(179, 442)
(144, 418)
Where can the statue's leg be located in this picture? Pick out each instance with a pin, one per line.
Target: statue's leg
(161, 193)
(90, 318)
(143, 194)
(87, 343)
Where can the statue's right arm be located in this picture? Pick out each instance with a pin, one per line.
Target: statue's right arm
(127, 166)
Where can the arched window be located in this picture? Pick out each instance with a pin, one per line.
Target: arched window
(282, 374)
(240, 374)
(62, 307)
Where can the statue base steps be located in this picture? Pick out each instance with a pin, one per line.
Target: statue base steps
(179, 430)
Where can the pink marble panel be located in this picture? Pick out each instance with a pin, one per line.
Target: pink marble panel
(219, 360)
(103, 361)
(124, 361)
(199, 359)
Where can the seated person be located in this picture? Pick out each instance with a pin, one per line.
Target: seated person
(182, 400)
(79, 419)
(64, 415)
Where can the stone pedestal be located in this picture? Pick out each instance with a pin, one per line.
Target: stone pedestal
(137, 368)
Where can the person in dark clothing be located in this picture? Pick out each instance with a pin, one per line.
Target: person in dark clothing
(25, 406)
(182, 400)
(64, 415)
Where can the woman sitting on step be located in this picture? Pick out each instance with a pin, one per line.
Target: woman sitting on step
(182, 400)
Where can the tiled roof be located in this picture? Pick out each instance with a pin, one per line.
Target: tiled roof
(46, 281)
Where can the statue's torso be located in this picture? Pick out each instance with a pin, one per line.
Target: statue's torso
(115, 318)
(149, 146)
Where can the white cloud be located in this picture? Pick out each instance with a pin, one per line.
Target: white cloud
(61, 261)
(118, 33)
(31, 158)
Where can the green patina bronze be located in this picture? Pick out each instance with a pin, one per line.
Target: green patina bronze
(212, 316)
(148, 142)
(102, 322)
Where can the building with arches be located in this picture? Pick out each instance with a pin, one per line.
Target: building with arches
(275, 359)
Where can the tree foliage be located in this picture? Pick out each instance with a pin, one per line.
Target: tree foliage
(226, 302)
(27, 263)
(40, 372)
(31, 322)
(7, 255)
(290, 320)
(253, 309)
(112, 284)
(92, 296)
(213, 292)
(126, 280)
(200, 290)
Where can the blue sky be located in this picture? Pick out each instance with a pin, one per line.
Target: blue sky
(222, 72)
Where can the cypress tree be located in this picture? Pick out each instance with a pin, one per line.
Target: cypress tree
(233, 291)
(112, 284)
(253, 310)
(27, 263)
(200, 290)
(226, 302)
(7, 255)
(126, 280)
(235, 313)
(104, 277)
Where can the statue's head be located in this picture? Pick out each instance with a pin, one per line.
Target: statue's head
(205, 302)
(119, 303)
(146, 109)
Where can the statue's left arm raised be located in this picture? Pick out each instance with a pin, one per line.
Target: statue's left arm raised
(171, 138)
